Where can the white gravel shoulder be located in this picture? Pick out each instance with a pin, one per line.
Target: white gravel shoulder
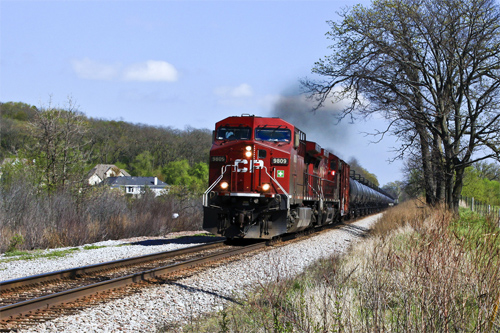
(109, 250)
(208, 290)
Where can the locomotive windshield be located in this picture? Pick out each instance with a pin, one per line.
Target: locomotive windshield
(273, 134)
(233, 133)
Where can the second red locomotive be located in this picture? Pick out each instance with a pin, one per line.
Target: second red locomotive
(266, 179)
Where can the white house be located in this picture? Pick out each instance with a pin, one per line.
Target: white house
(137, 185)
(103, 171)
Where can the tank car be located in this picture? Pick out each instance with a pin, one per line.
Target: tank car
(365, 197)
(266, 180)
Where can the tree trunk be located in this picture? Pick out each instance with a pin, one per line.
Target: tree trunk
(429, 179)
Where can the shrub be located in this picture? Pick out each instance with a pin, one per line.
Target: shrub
(71, 218)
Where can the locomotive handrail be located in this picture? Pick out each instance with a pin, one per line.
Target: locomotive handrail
(282, 189)
(224, 169)
(205, 195)
(318, 184)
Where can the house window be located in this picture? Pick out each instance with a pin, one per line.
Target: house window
(130, 189)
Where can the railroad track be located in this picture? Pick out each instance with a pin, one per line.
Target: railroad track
(30, 300)
(27, 299)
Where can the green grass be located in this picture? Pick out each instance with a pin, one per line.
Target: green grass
(474, 228)
(22, 255)
(93, 247)
(15, 253)
(61, 253)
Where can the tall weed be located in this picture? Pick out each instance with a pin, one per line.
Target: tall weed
(423, 270)
(71, 218)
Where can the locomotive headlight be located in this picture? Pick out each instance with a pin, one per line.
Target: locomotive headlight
(224, 185)
(248, 152)
(266, 187)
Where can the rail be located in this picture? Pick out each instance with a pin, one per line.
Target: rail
(16, 312)
(77, 271)
(12, 311)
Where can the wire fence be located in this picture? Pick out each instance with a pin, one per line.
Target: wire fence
(480, 207)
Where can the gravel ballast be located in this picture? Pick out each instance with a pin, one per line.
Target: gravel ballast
(203, 292)
(103, 252)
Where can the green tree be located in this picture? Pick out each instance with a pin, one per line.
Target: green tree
(177, 173)
(143, 165)
(14, 127)
(395, 189)
(199, 174)
(489, 171)
(473, 185)
(192, 179)
(17, 111)
(479, 187)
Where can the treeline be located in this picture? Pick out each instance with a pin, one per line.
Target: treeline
(431, 71)
(142, 150)
(45, 198)
(481, 182)
(358, 169)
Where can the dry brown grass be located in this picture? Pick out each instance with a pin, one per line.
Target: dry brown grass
(421, 271)
(412, 213)
(423, 280)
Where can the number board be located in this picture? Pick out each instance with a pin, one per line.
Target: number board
(221, 159)
(279, 161)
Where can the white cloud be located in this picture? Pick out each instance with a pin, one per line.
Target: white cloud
(243, 90)
(151, 70)
(92, 70)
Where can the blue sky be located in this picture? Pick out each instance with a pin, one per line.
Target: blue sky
(180, 63)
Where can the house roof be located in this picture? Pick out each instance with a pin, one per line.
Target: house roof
(100, 170)
(134, 181)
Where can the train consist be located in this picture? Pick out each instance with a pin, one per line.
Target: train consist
(266, 179)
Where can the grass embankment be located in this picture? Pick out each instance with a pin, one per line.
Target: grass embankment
(421, 271)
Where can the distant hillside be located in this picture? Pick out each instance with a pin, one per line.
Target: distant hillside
(111, 142)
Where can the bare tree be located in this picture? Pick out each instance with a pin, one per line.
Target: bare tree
(489, 171)
(432, 68)
(59, 141)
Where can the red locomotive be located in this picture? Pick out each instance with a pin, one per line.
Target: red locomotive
(266, 179)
